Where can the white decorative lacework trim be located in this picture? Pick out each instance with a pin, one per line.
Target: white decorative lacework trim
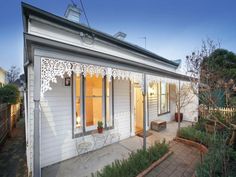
(157, 79)
(51, 68)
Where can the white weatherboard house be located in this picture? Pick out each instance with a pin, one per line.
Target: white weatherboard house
(77, 76)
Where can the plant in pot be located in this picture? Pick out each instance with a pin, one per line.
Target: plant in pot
(100, 127)
(183, 96)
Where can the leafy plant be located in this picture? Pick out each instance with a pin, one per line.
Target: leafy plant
(100, 124)
(219, 161)
(191, 133)
(136, 162)
(9, 94)
(200, 125)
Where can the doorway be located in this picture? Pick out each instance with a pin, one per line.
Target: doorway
(138, 109)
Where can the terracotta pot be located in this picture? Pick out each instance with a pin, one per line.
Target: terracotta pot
(176, 117)
(100, 129)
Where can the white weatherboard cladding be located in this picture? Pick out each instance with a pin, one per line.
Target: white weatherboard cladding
(49, 30)
(122, 107)
(153, 106)
(56, 120)
(56, 124)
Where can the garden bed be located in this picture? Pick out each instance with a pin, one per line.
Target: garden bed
(138, 164)
(219, 158)
(203, 149)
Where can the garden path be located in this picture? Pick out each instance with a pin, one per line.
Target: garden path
(12, 154)
(181, 163)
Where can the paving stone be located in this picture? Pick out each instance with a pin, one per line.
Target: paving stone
(163, 174)
(181, 163)
(158, 169)
(153, 173)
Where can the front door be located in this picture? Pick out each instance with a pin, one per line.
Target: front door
(138, 109)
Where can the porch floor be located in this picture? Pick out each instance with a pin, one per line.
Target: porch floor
(86, 164)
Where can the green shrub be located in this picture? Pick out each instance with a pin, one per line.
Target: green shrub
(219, 161)
(191, 133)
(136, 163)
(200, 125)
(9, 94)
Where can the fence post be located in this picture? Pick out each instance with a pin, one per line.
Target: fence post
(9, 120)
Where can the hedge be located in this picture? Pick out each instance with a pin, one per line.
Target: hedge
(9, 94)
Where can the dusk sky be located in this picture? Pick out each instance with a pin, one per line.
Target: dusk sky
(173, 28)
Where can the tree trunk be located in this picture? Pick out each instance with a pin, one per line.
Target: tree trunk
(179, 108)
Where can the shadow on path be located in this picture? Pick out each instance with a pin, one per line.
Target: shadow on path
(12, 154)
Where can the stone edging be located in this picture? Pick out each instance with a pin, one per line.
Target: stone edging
(203, 149)
(154, 164)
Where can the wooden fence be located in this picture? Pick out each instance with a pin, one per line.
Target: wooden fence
(9, 114)
(228, 113)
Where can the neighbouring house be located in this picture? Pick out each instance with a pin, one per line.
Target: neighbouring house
(76, 76)
(3, 77)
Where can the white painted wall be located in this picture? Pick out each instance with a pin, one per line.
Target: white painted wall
(153, 105)
(56, 124)
(122, 107)
(57, 143)
(152, 102)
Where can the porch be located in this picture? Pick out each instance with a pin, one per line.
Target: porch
(86, 164)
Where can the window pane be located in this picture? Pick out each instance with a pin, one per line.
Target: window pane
(108, 120)
(78, 101)
(108, 87)
(93, 110)
(93, 100)
(93, 86)
(163, 104)
(163, 88)
(164, 98)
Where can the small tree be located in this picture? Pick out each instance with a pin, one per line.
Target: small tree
(9, 94)
(211, 73)
(182, 96)
(13, 74)
(212, 77)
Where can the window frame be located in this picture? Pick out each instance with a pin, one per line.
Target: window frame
(84, 130)
(160, 98)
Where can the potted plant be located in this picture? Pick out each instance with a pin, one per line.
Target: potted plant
(100, 127)
(182, 96)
